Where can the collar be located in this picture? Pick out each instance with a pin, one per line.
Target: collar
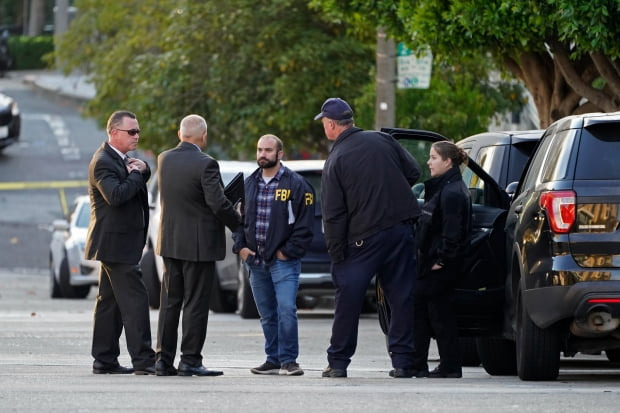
(121, 154)
(345, 134)
(278, 175)
(433, 185)
(189, 145)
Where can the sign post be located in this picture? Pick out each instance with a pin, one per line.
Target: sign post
(413, 72)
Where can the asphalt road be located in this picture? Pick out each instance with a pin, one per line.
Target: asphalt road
(56, 145)
(45, 365)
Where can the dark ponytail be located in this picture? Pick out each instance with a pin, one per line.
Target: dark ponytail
(447, 149)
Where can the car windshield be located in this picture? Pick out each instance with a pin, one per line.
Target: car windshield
(83, 215)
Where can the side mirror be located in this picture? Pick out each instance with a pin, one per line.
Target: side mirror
(512, 188)
(60, 225)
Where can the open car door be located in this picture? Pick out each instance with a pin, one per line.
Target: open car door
(480, 290)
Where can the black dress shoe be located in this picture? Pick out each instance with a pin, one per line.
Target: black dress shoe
(334, 373)
(105, 368)
(187, 370)
(437, 373)
(400, 373)
(164, 369)
(145, 371)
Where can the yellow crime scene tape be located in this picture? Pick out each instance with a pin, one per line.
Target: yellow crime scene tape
(60, 185)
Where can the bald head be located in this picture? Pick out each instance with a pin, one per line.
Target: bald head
(193, 129)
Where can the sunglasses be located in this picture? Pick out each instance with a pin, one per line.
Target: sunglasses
(130, 132)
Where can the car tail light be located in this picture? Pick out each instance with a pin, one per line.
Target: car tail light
(560, 207)
(604, 301)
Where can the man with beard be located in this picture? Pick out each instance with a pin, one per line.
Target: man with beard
(277, 230)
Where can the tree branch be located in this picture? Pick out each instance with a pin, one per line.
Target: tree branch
(573, 79)
(607, 70)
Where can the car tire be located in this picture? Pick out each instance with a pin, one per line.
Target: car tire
(497, 355)
(538, 349)
(246, 307)
(150, 278)
(613, 355)
(54, 286)
(469, 352)
(67, 290)
(221, 301)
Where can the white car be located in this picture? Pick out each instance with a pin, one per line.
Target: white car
(71, 275)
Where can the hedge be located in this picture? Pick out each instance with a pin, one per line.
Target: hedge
(27, 51)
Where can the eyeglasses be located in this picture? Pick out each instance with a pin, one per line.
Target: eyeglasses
(130, 132)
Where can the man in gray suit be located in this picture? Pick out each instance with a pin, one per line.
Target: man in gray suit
(116, 236)
(194, 211)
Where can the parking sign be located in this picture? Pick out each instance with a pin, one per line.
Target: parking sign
(413, 72)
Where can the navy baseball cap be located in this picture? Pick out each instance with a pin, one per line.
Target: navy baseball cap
(336, 109)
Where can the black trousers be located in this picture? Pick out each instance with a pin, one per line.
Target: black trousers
(187, 286)
(122, 301)
(434, 317)
(390, 255)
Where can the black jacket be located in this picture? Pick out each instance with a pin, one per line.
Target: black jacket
(365, 188)
(194, 209)
(444, 227)
(119, 210)
(290, 234)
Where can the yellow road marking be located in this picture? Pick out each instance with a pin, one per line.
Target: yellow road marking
(60, 185)
(7, 186)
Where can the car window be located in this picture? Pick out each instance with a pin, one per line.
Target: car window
(83, 215)
(595, 159)
(534, 170)
(519, 155)
(556, 162)
(420, 151)
(486, 158)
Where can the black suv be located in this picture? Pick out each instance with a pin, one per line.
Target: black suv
(542, 275)
(503, 155)
(563, 247)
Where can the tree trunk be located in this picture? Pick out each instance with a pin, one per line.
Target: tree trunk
(563, 86)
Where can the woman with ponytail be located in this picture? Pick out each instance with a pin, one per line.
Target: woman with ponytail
(443, 234)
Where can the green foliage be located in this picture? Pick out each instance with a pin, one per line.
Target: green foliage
(460, 102)
(250, 67)
(28, 52)
(560, 49)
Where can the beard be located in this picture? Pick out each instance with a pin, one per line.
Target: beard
(265, 163)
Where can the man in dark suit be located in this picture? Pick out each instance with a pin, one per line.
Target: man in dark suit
(194, 211)
(116, 237)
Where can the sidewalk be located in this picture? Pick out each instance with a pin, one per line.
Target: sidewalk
(74, 86)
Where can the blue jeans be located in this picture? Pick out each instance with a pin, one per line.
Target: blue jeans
(274, 287)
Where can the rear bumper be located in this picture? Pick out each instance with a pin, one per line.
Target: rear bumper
(549, 305)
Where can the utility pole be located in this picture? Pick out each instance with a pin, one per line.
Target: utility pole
(61, 17)
(36, 17)
(385, 104)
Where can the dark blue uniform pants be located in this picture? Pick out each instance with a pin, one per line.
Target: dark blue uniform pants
(390, 255)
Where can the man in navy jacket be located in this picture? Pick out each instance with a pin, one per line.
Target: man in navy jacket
(368, 212)
(277, 230)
